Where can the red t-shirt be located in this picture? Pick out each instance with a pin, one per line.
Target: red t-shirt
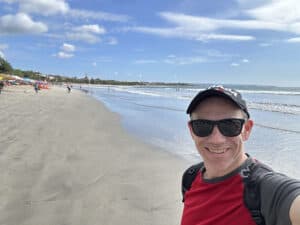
(217, 201)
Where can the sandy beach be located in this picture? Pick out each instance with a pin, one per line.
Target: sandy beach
(65, 159)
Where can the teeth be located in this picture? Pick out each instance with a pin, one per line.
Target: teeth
(216, 151)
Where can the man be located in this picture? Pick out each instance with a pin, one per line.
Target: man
(36, 87)
(230, 187)
(1, 85)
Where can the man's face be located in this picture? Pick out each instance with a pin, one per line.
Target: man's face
(220, 153)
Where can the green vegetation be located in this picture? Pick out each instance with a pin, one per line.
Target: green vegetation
(5, 67)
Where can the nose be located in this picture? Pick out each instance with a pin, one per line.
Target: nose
(216, 136)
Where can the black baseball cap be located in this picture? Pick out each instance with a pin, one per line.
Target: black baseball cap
(219, 90)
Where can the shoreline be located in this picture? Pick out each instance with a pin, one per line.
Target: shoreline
(65, 159)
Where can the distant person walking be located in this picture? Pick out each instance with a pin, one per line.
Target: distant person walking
(1, 86)
(36, 87)
(69, 88)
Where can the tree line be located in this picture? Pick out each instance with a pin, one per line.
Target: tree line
(5, 67)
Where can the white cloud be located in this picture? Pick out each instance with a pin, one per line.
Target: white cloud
(235, 64)
(85, 37)
(86, 33)
(19, 24)
(2, 55)
(8, 1)
(68, 47)
(245, 60)
(171, 56)
(279, 11)
(64, 55)
(284, 14)
(173, 59)
(189, 22)
(265, 44)
(225, 37)
(53, 7)
(145, 61)
(112, 41)
(98, 15)
(3, 46)
(217, 55)
(184, 60)
(94, 64)
(199, 28)
(189, 33)
(293, 40)
(205, 24)
(91, 28)
(164, 32)
(42, 7)
(269, 15)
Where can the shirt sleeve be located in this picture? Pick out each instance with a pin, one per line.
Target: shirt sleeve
(277, 194)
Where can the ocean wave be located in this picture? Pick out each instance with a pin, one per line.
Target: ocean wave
(277, 128)
(155, 92)
(275, 107)
(159, 107)
(282, 108)
(186, 94)
(270, 92)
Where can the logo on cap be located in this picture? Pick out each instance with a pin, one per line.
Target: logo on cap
(223, 89)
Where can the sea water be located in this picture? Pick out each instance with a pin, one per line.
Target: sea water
(156, 115)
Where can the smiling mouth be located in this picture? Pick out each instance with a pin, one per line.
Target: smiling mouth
(222, 151)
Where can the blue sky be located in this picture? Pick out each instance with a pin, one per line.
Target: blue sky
(199, 41)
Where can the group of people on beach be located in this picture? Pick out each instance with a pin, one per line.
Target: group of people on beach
(36, 87)
(230, 187)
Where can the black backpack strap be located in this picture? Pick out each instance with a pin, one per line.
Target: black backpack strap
(252, 176)
(188, 177)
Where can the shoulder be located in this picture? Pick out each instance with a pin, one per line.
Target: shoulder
(278, 193)
(271, 182)
(189, 175)
(194, 168)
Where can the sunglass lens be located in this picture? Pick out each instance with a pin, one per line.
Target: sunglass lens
(231, 127)
(202, 128)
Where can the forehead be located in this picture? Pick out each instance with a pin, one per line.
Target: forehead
(216, 107)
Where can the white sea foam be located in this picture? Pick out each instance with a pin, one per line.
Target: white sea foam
(275, 107)
(270, 92)
(189, 93)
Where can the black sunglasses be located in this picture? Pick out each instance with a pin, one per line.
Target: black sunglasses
(227, 127)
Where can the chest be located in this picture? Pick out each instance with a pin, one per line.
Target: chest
(216, 203)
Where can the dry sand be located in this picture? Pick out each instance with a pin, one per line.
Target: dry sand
(65, 159)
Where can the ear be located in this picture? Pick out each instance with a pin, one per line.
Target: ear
(247, 130)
